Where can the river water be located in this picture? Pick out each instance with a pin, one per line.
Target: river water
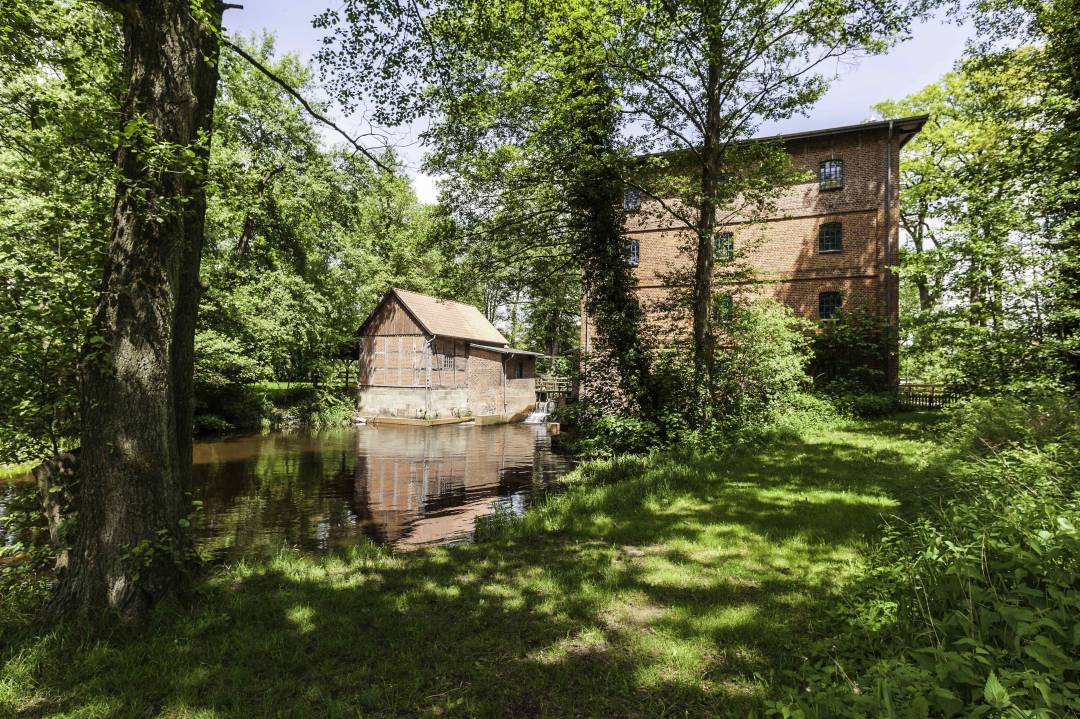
(406, 487)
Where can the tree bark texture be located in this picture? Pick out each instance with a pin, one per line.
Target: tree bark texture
(706, 231)
(131, 547)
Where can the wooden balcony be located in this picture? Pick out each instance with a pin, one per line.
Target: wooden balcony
(553, 384)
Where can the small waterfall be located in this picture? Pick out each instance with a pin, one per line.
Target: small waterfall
(541, 413)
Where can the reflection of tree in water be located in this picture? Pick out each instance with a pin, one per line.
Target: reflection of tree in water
(404, 486)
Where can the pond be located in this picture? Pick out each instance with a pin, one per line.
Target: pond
(406, 487)
(403, 486)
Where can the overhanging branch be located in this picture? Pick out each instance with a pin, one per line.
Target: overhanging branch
(300, 98)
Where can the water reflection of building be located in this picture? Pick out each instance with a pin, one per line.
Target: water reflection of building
(415, 486)
(404, 485)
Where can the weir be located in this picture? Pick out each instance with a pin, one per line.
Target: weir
(541, 413)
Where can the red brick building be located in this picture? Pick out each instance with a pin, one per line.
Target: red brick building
(831, 242)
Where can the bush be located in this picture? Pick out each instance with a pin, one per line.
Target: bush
(987, 424)
(761, 366)
(973, 608)
(850, 353)
(867, 405)
(212, 424)
(594, 434)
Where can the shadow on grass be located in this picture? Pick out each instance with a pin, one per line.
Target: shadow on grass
(678, 592)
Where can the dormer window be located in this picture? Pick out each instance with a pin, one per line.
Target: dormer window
(633, 253)
(631, 199)
(831, 175)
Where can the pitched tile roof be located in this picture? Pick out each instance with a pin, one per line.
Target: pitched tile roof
(446, 318)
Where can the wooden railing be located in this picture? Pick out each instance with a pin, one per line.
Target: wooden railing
(552, 384)
(925, 396)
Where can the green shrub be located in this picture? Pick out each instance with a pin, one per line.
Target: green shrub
(761, 366)
(972, 609)
(591, 433)
(212, 424)
(865, 405)
(987, 424)
(851, 353)
(329, 409)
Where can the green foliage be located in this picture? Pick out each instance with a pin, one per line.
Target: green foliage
(593, 432)
(867, 405)
(972, 607)
(851, 352)
(973, 194)
(761, 386)
(220, 361)
(1043, 419)
(301, 239)
(59, 87)
(761, 357)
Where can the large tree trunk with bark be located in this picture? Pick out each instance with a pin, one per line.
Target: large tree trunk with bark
(131, 547)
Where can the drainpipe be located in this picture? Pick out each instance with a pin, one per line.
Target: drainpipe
(430, 344)
(892, 369)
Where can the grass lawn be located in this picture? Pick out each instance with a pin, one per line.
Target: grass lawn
(669, 586)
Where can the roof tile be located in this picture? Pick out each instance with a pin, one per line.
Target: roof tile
(446, 318)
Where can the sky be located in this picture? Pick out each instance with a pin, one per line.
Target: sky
(931, 52)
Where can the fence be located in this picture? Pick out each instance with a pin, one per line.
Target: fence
(925, 396)
(552, 384)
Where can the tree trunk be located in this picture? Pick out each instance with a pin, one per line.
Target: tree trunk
(131, 547)
(706, 230)
(922, 283)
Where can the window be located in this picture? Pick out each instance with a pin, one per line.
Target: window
(521, 369)
(723, 307)
(724, 247)
(447, 362)
(830, 237)
(633, 253)
(829, 305)
(831, 174)
(631, 199)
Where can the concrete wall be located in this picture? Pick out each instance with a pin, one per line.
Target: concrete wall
(409, 401)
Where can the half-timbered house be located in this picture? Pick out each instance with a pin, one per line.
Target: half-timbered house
(421, 357)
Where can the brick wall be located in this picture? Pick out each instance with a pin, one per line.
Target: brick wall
(783, 248)
(485, 382)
